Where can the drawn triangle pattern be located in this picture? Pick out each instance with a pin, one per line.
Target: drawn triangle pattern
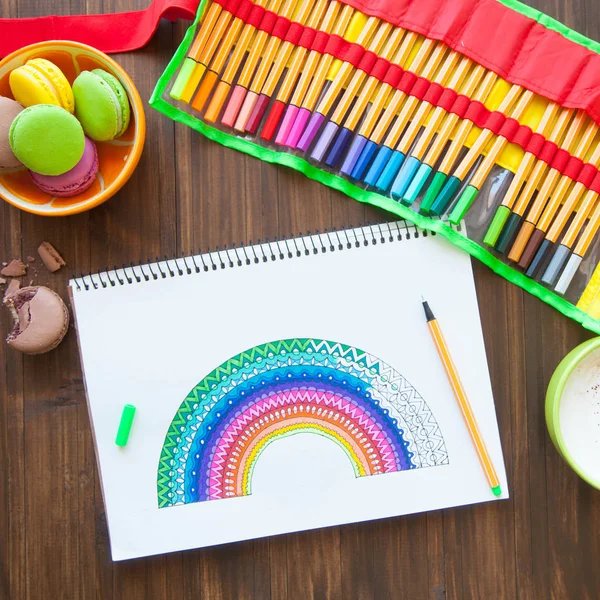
(287, 387)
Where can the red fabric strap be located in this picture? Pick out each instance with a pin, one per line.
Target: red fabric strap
(548, 151)
(307, 38)
(420, 87)
(268, 22)
(407, 81)
(560, 160)
(294, 33)
(522, 136)
(477, 113)
(518, 48)
(320, 42)
(535, 145)
(352, 53)
(380, 69)
(367, 62)
(495, 122)
(256, 15)
(509, 129)
(433, 93)
(281, 27)
(111, 33)
(461, 106)
(573, 167)
(586, 175)
(447, 99)
(595, 186)
(244, 9)
(393, 76)
(229, 5)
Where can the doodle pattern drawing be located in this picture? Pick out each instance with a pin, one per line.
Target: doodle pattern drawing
(287, 387)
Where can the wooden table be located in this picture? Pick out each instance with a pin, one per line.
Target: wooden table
(189, 193)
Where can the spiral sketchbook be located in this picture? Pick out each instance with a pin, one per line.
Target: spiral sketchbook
(282, 387)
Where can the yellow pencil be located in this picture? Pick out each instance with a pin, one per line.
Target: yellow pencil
(463, 401)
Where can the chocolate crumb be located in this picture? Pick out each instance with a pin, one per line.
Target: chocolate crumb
(16, 268)
(50, 257)
(31, 259)
(4, 263)
(2, 280)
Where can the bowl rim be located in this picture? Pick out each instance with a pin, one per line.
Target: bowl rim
(138, 142)
(553, 400)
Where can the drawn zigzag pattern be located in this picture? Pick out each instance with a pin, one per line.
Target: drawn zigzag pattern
(284, 388)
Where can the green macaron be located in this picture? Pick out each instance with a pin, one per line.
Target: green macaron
(101, 105)
(47, 139)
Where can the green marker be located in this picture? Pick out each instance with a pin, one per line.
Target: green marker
(462, 206)
(496, 226)
(125, 425)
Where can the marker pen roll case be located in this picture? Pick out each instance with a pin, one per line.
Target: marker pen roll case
(483, 113)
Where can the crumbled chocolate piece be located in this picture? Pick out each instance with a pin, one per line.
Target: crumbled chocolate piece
(16, 268)
(31, 259)
(50, 257)
(2, 280)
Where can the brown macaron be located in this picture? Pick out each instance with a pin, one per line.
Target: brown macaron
(41, 319)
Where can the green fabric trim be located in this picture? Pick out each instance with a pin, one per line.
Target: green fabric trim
(158, 102)
(553, 24)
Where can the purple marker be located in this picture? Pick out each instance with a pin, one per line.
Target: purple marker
(286, 124)
(324, 141)
(298, 128)
(310, 132)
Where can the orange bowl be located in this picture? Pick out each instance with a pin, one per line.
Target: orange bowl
(118, 158)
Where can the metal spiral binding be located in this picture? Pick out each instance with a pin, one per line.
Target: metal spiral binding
(245, 255)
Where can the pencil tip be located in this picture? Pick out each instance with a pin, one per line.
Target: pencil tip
(497, 491)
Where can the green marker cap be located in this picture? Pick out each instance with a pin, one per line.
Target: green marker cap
(463, 205)
(493, 232)
(125, 425)
(187, 68)
(445, 196)
(437, 183)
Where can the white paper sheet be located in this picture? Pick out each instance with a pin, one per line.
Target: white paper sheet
(150, 343)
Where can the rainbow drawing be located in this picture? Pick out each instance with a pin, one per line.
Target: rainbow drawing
(284, 388)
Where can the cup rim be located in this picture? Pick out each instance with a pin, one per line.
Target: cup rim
(553, 401)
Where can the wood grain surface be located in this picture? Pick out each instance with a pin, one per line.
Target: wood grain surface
(189, 193)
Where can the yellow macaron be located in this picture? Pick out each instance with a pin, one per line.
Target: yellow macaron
(39, 81)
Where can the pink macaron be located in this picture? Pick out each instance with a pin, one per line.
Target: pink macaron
(75, 181)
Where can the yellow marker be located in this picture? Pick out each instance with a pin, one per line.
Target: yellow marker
(359, 77)
(446, 70)
(462, 400)
(465, 127)
(478, 148)
(207, 53)
(425, 63)
(590, 231)
(569, 204)
(590, 300)
(310, 13)
(233, 38)
(373, 28)
(541, 173)
(189, 64)
(455, 83)
(239, 91)
(299, 61)
(319, 64)
(385, 89)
